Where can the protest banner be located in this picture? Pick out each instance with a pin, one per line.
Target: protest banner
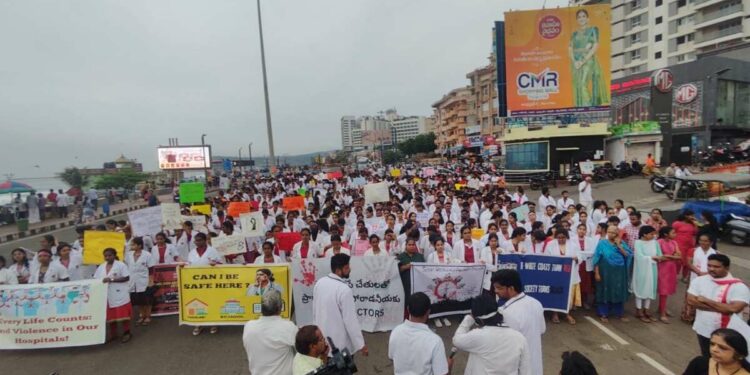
(199, 222)
(171, 217)
(375, 193)
(285, 241)
(228, 294)
(293, 203)
(359, 181)
(395, 172)
(417, 180)
(235, 209)
(335, 175)
(449, 286)
(53, 315)
(192, 192)
(376, 286)
(477, 233)
(146, 221)
(95, 243)
(302, 191)
(224, 183)
(587, 167)
(203, 209)
(252, 224)
(166, 298)
(521, 212)
(458, 186)
(229, 245)
(544, 277)
(428, 172)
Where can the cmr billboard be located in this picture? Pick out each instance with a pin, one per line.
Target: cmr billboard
(184, 157)
(558, 60)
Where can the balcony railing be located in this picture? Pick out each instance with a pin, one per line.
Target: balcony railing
(709, 16)
(716, 34)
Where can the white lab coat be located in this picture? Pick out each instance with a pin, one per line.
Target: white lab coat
(543, 202)
(75, 266)
(493, 350)
(572, 251)
(447, 258)
(490, 260)
(7, 277)
(209, 255)
(117, 293)
(171, 254)
(55, 273)
(335, 314)
(381, 253)
(138, 269)
(260, 259)
(564, 203)
(312, 252)
(526, 315)
(269, 344)
(459, 251)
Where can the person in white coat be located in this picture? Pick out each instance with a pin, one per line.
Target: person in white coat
(71, 260)
(563, 246)
(163, 252)
(115, 274)
(267, 256)
(139, 262)
(488, 257)
(522, 313)
(493, 347)
(7, 277)
(204, 255)
(375, 249)
(467, 249)
(441, 256)
(47, 271)
(305, 248)
(333, 308)
(269, 340)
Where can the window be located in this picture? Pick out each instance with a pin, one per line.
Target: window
(635, 55)
(635, 38)
(658, 20)
(527, 156)
(635, 21)
(728, 110)
(690, 37)
(658, 3)
(657, 55)
(680, 58)
(657, 38)
(680, 40)
(681, 3)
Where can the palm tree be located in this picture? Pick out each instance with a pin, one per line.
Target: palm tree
(73, 177)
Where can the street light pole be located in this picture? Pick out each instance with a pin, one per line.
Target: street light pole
(271, 154)
(250, 154)
(203, 152)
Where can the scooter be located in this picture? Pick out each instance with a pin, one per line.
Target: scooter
(659, 183)
(574, 177)
(739, 229)
(546, 180)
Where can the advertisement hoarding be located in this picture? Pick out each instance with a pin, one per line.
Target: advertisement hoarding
(184, 157)
(377, 137)
(560, 65)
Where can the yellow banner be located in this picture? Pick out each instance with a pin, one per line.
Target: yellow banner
(558, 59)
(477, 233)
(94, 243)
(395, 172)
(204, 209)
(229, 294)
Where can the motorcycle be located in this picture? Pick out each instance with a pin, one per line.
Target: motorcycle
(705, 158)
(601, 174)
(545, 180)
(574, 177)
(659, 183)
(739, 229)
(722, 155)
(690, 190)
(623, 169)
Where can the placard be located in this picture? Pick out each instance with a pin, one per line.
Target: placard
(146, 221)
(544, 277)
(449, 286)
(377, 192)
(235, 209)
(587, 167)
(192, 192)
(253, 224)
(293, 204)
(171, 217)
(203, 209)
(229, 245)
(166, 294)
(96, 241)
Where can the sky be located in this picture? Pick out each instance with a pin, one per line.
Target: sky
(84, 81)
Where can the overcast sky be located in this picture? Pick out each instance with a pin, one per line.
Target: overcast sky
(82, 81)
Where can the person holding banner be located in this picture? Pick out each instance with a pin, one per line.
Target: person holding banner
(517, 243)
(139, 264)
(612, 259)
(467, 250)
(405, 259)
(20, 266)
(488, 257)
(46, 271)
(562, 246)
(268, 257)
(116, 275)
(204, 255)
(73, 262)
(521, 312)
(494, 348)
(336, 247)
(7, 277)
(375, 249)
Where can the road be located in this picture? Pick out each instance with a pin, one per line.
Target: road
(615, 347)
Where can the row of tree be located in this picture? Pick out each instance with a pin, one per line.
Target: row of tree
(124, 178)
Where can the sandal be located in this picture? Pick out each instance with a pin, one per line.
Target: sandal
(604, 319)
(126, 337)
(139, 322)
(555, 320)
(644, 319)
(649, 317)
(624, 319)
(664, 320)
(213, 330)
(146, 322)
(197, 331)
(571, 320)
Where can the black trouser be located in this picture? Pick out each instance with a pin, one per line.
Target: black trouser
(705, 344)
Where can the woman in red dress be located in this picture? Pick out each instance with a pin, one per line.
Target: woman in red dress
(667, 269)
(685, 230)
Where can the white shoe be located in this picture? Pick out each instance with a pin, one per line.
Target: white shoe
(438, 324)
(446, 322)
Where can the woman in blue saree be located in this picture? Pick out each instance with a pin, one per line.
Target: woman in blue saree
(612, 259)
(589, 86)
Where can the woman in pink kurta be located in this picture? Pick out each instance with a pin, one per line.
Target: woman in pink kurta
(685, 230)
(667, 268)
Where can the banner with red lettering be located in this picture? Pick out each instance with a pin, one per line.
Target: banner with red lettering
(166, 293)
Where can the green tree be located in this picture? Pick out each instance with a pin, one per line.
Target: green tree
(124, 178)
(74, 178)
(421, 144)
(392, 156)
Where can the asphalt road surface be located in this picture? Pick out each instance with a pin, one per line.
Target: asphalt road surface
(615, 348)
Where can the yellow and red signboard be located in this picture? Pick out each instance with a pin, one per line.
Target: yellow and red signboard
(558, 60)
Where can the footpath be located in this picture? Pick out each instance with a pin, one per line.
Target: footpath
(11, 232)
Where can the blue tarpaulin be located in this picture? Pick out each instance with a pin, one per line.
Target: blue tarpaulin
(720, 209)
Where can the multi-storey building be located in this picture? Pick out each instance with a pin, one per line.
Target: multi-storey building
(406, 128)
(451, 113)
(654, 34)
(348, 126)
(483, 98)
(386, 129)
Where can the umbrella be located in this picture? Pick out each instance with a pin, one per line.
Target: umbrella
(14, 187)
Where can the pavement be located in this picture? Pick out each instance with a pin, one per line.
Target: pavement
(614, 348)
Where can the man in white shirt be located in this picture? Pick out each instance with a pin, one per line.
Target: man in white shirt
(716, 297)
(494, 348)
(333, 307)
(269, 341)
(546, 200)
(584, 193)
(413, 347)
(522, 313)
(62, 204)
(680, 173)
(564, 202)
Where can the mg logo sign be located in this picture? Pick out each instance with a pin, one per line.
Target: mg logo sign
(663, 80)
(685, 94)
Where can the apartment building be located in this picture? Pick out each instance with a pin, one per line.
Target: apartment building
(653, 34)
(348, 126)
(406, 128)
(387, 128)
(451, 113)
(483, 98)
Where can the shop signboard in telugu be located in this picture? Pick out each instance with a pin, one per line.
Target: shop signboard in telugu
(562, 64)
(184, 157)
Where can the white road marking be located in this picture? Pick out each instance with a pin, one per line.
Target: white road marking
(658, 366)
(607, 347)
(742, 262)
(606, 330)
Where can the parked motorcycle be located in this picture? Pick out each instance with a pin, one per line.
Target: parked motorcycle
(542, 181)
(739, 229)
(722, 154)
(623, 169)
(574, 176)
(602, 173)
